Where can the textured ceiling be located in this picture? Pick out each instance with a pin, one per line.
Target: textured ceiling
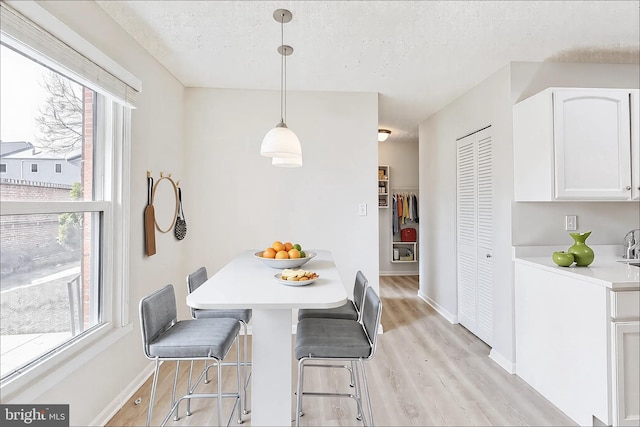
(418, 55)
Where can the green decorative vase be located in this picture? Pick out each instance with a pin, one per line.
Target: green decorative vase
(582, 253)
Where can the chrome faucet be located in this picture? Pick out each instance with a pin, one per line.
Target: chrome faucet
(632, 244)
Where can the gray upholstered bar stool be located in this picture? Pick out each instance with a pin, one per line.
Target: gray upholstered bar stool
(194, 280)
(166, 338)
(349, 310)
(339, 340)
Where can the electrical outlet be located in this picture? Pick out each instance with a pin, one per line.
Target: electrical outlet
(362, 209)
(571, 223)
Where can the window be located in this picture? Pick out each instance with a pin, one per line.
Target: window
(3, 168)
(61, 233)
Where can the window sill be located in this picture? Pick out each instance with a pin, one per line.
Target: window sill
(49, 372)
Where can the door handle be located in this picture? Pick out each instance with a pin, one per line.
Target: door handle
(488, 255)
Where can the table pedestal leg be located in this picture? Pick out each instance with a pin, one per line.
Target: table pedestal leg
(271, 368)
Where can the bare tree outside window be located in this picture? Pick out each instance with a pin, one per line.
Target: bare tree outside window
(61, 117)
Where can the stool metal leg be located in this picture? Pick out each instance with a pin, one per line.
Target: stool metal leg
(299, 395)
(366, 391)
(173, 392)
(245, 411)
(358, 390)
(189, 390)
(240, 381)
(153, 392)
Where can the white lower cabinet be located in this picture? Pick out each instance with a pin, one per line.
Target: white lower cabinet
(583, 357)
(625, 357)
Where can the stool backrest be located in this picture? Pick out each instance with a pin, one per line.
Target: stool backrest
(157, 314)
(358, 290)
(371, 314)
(194, 280)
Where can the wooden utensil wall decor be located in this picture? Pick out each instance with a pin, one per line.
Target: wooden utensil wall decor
(162, 197)
(149, 220)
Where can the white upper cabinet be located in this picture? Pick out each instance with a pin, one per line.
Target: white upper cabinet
(635, 145)
(576, 144)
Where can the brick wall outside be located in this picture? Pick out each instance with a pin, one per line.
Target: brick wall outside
(30, 240)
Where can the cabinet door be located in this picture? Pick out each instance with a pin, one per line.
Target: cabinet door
(635, 144)
(626, 375)
(592, 152)
(475, 234)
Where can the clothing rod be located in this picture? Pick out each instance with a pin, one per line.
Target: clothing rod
(405, 188)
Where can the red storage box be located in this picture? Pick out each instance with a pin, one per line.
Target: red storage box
(408, 235)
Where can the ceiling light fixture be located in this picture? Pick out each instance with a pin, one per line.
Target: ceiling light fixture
(281, 143)
(383, 134)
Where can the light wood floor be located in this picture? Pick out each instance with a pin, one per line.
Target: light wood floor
(426, 372)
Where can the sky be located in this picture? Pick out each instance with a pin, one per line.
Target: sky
(21, 95)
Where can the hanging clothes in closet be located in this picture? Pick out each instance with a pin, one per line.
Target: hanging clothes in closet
(404, 210)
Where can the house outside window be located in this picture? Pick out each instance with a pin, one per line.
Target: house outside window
(62, 253)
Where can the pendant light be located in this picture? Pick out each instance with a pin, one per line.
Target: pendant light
(287, 162)
(281, 143)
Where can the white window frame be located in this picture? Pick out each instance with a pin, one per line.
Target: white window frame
(113, 136)
(55, 167)
(3, 166)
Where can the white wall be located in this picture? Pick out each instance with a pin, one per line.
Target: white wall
(235, 200)
(490, 102)
(93, 388)
(402, 159)
(542, 223)
(486, 104)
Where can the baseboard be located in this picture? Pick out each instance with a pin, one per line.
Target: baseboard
(452, 318)
(502, 361)
(123, 397)
(398, 273)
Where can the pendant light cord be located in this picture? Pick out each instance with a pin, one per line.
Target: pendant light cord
(282, 70)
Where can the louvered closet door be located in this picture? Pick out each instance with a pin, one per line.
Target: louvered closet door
(475, 234)
(467, 235)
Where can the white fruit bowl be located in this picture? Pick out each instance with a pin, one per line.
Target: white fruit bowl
(285, 263)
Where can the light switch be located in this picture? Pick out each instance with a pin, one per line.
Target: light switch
(570, 223)
(362, 209)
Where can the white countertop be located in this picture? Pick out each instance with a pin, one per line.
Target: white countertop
(604, 271)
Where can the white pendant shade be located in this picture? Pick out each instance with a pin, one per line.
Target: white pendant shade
(287, 162)
(281, 142)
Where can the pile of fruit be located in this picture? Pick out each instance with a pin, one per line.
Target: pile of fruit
(298, 275)
(287, 250)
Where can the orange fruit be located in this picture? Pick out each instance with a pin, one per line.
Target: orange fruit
(269, 253)
(278, 246)
(288, 246)
(282, 255)
(294, 253)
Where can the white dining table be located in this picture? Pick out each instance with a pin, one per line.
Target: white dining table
(245, 282)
